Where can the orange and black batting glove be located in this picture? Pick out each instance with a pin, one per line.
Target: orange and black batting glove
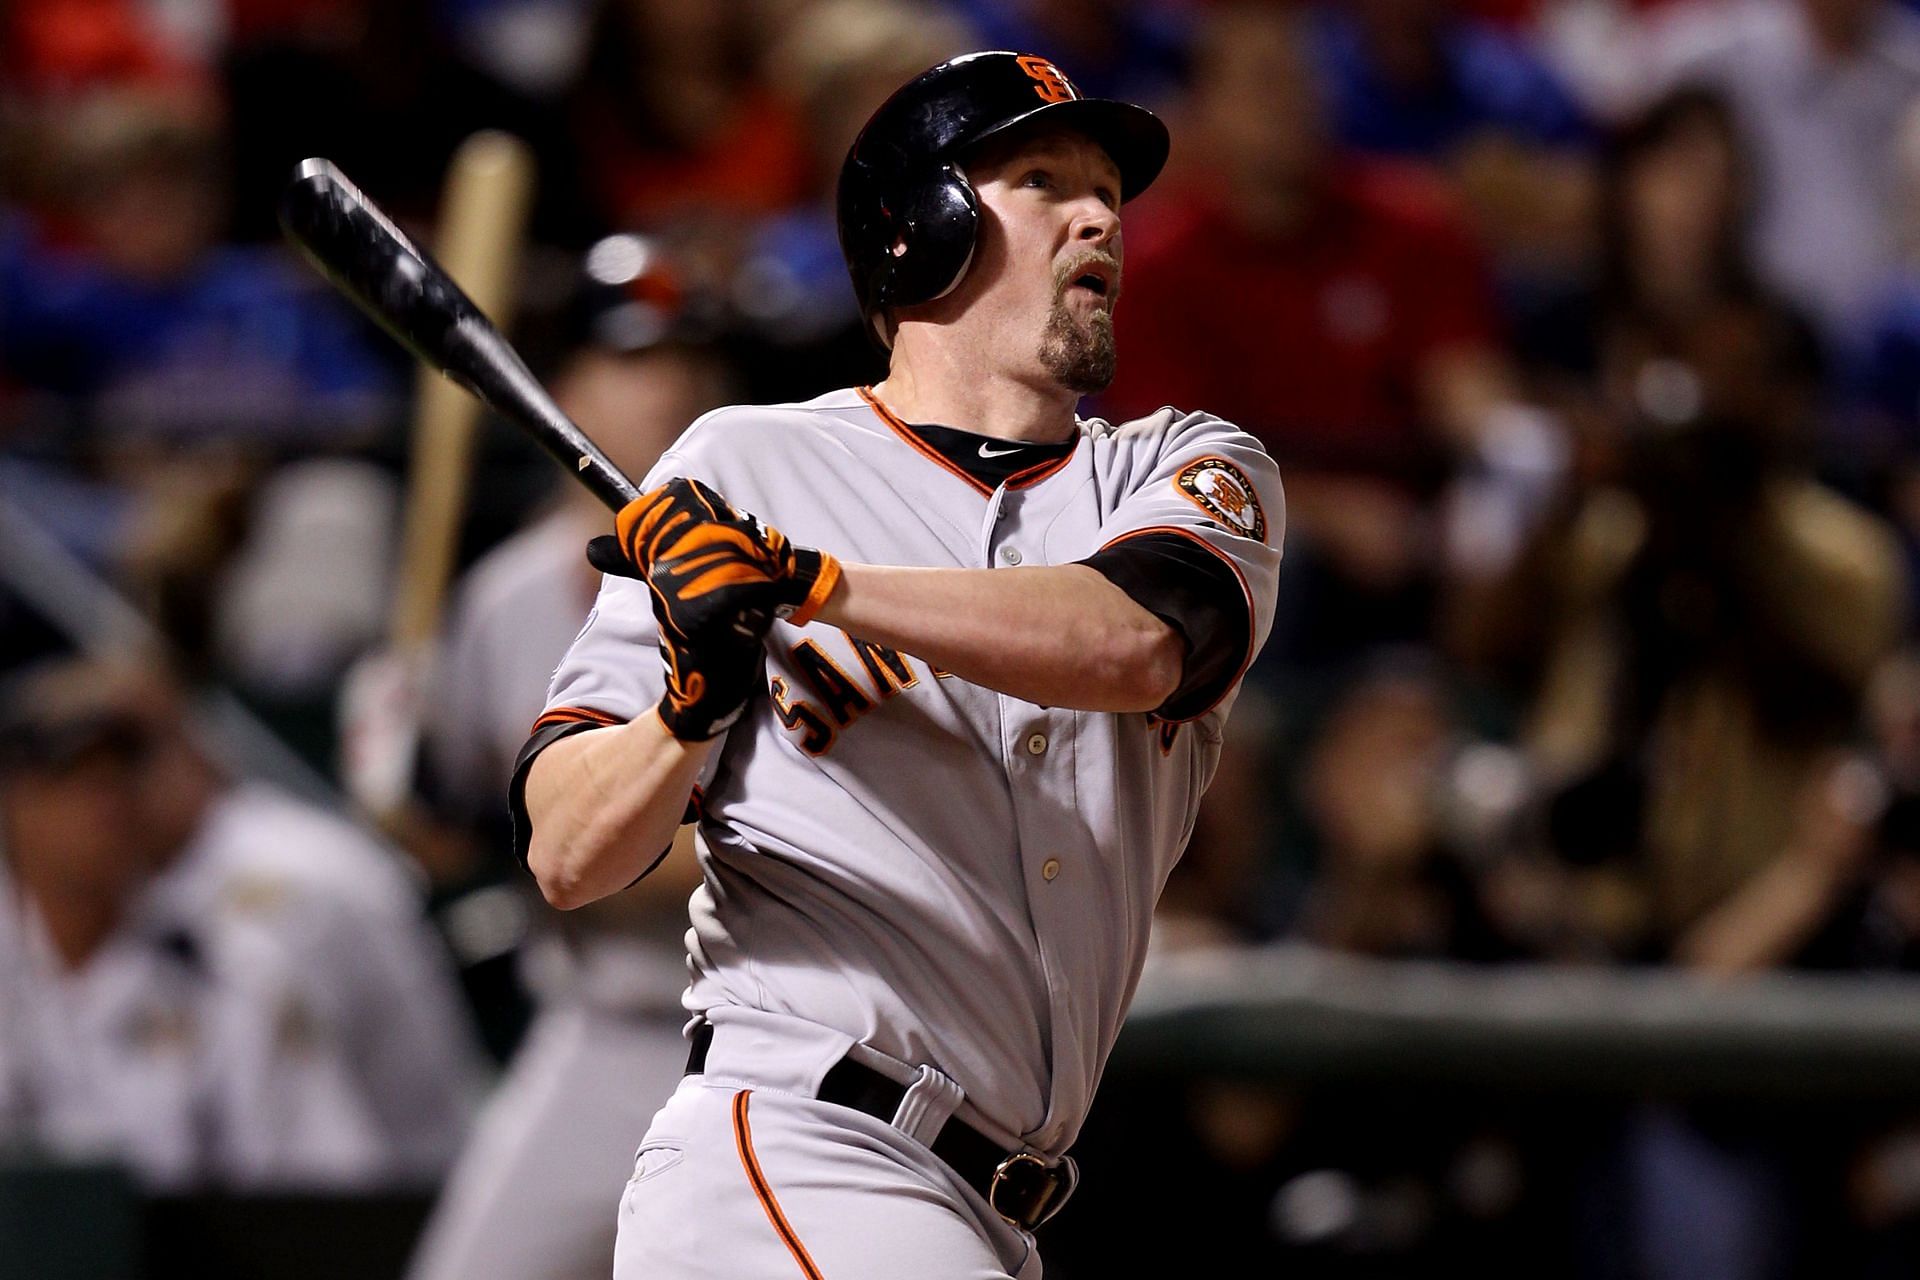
(672, 523)
(718, 579)
(710, 686)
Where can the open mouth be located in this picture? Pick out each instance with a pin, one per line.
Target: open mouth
(1094, 281)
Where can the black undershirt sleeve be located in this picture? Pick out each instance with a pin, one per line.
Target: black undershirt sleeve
(1196, 592)
(543, 737)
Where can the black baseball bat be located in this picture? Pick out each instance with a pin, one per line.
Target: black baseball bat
(369, 259)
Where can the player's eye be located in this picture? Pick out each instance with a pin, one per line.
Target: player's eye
(1037, 178)
(1108, 197)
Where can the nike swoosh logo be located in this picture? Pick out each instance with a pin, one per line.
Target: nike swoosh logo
(997, 453)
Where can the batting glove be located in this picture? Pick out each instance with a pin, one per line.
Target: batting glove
(709, 687)
(664, 522)
(718, 579)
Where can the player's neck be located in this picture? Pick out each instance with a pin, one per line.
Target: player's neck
(925, 384)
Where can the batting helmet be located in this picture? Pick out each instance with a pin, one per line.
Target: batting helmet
(908, 215)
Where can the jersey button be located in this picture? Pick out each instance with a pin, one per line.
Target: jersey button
(1049, 869)
(1010, 554)
(1037, 745)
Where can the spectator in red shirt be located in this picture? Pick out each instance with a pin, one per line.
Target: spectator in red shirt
(1339, 310)
(674, 121)
(53, 46)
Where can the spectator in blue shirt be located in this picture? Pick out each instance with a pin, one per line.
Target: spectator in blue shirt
(132, 307)
(1129, 49)
(1412, 78)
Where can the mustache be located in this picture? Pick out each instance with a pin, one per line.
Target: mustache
(1065, 274)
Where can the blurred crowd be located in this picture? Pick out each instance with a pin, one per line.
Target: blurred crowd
(1586, 334)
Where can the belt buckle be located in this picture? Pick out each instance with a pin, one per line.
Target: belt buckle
(1017, 1175)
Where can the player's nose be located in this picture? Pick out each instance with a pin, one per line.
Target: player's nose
(1094, 223)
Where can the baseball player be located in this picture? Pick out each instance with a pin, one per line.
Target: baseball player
(940, 669)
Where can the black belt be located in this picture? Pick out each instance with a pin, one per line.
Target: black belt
(1020, 1186)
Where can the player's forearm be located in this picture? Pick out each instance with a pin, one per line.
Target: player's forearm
(603, 804)
(1061, 635)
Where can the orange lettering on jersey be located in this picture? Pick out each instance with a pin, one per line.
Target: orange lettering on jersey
(889, 671)
(843, 699)
(1050, 83)
(841, 696)
(816, 732)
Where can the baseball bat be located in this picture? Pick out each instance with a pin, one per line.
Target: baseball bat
(483, 215)
(368, 258)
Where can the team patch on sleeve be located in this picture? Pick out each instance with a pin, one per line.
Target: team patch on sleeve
(1223, 491)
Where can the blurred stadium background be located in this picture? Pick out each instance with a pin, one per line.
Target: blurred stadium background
(1555, 908)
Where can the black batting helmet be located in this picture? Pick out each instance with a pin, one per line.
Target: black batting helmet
(908, 215)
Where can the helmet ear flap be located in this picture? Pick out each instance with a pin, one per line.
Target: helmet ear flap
(907, 235)
(932, 230)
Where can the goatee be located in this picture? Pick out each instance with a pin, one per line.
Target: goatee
(1080, 357)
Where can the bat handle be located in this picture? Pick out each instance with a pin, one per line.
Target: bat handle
(503, 381)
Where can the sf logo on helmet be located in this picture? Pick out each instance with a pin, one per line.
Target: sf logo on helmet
(1050, 82)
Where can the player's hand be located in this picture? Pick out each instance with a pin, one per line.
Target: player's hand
(709, 686)
(718, 579)
(710, 545)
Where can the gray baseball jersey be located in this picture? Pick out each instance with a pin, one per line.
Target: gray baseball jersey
(917, 870)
